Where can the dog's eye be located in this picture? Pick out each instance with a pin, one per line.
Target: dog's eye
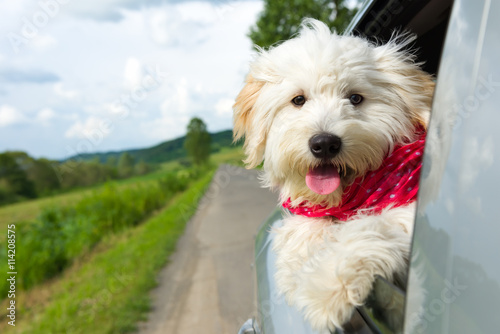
(299, 100)
(356, 99)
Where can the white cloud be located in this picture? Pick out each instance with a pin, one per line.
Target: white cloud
(175, 114)
(43, 42)
(179, 101)
(199, 12)
(165, 127)
(133, 73)
(113, 112)
(91, 128)
(106, 10)
(67, 94)
(183, 25)
(10, 116)
(478, 157)
(224, 107)
(45, 115)
(200, 47)
(160, 31)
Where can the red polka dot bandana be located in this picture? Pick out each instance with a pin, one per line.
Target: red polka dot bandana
(394, 184)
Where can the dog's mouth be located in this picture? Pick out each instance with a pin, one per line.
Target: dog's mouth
(324, 179)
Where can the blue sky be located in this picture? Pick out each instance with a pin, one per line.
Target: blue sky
(106, 75)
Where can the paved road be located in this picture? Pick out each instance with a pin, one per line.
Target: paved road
(208, 286)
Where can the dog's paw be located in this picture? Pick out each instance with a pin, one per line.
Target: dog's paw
(328, 272)
(328, 301)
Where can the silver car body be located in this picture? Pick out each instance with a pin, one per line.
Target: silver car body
(456, 249)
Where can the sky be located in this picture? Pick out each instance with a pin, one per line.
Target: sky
(95, 76)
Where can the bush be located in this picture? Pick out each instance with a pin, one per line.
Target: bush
(41, 248)
(59, 235)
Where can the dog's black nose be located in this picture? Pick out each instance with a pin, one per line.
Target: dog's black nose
(325, 145)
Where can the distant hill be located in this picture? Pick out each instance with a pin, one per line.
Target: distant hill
(166, 151)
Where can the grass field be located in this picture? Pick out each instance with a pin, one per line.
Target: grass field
(108, 291)
(29, 210)
(105, 290)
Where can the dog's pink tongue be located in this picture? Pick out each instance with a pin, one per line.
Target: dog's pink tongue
(323, 179)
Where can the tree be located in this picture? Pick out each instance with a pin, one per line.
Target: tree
(197, 141)
(112, 161)
(41, 172)
(142, 168)
(126, 165)
(44, 177)
(14, 183)
(281, 19)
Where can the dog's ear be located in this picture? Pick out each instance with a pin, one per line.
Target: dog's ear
(243, 107)
(414, 86)
(417, 92)
(244, 122)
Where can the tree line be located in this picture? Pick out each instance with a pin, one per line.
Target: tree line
(24, 177)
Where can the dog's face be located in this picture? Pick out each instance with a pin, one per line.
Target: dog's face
(323, 109)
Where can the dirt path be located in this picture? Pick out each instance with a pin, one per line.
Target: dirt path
(208, 286)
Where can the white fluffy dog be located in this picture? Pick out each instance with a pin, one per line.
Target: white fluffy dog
(339, 123)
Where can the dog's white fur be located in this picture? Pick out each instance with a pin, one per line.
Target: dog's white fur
(327, 268)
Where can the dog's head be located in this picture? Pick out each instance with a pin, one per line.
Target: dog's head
(322, 109)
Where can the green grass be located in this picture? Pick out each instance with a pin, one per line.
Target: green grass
(29, 210)
(60, 235)
(102, 286)
(107, 292)
(233, 155)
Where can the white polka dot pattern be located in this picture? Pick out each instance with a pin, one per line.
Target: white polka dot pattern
(396, 184)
